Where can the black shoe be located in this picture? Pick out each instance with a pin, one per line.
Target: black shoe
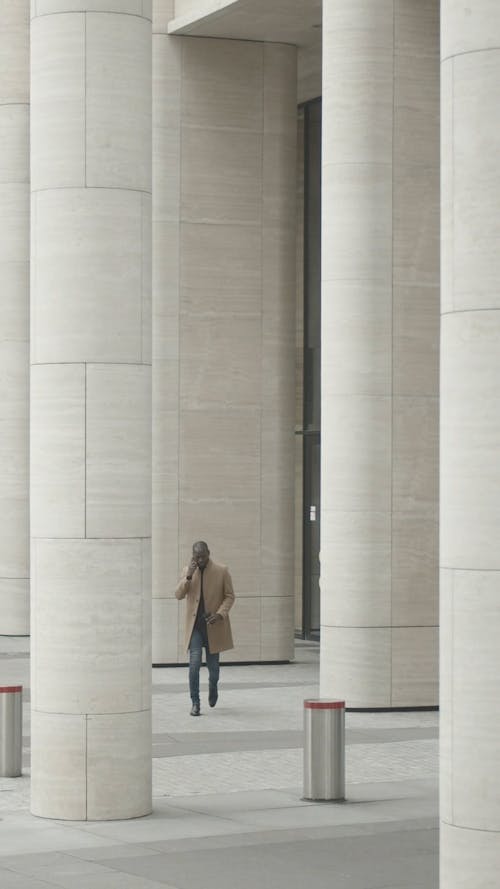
(213, 694)
(195, 710)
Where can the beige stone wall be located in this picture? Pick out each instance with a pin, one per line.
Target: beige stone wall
(224, 139)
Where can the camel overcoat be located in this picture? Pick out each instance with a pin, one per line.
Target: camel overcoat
(218, 596)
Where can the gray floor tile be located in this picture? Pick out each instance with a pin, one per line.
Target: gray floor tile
(245, 801)
(183, 824)
(296, 835)
(112, 880)
(219, 742)
(51, 839)
(360, 863)
(11, 880)
(44, 862)
(123, 850)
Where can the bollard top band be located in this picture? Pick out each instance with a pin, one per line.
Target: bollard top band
(323, 704)
(10, 688)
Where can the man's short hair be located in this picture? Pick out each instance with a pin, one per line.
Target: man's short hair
(200, 544)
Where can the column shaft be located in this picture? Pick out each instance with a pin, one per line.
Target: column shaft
(14, 315)
(470, 436)
(91, 410)
(380, 323)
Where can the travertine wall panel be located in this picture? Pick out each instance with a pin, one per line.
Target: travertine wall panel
(362, 441)
(362, 225)
(467, 865)
(58, 101)
(416, 340)
(113, 742)
(475, 124)
(470, 428)
(357, 659)
(246, 625)
(209, 381)
(80, 589)
(118, 442)
(231, 194)
(14, 153)
(276, 628)
(474, 700)
(14, 58)
(360, 337)
(57, 490)
(13, 495)
(468, 27)
(59, 748)
(224, 307)
(414, 665)
(118, 91)
(369, 534)
(414, 556)
(415, 442)
(97, 281)
(14, 328)
(228, 94)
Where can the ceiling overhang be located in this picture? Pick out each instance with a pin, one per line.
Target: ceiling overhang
(274, 21)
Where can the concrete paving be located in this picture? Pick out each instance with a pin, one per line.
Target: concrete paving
(227, 793)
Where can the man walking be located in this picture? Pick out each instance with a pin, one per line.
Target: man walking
(208, 590)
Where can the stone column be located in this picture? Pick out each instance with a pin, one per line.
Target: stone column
(166, 256)
(14, 314)
(224, 136)
(470, 434)
(380, 323)
(91, 411)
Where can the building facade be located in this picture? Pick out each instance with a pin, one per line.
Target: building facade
(256, 230)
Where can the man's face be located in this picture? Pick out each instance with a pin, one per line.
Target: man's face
(201, 556)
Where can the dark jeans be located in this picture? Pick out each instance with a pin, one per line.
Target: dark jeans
(196, 645)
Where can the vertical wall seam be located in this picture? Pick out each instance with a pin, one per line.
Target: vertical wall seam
(86, 769)
(262, 377)
(452, 695)
(452, 617)
(141, 332)
(33, 674)
(85, 99)
(85, 451)
(32, 280)
(179, 283)
(141, 644)
(392, 341)
(452, 246)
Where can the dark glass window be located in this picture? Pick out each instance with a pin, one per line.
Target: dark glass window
(312, 369)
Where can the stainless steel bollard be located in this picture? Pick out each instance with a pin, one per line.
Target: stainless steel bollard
(324, 749)
(11, 731)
